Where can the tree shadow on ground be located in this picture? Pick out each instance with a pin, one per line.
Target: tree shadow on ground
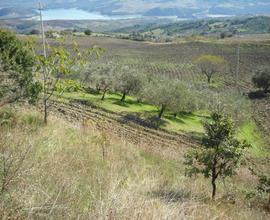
(119, 103)
(126, 103)
(150, 122)
(175, 119)
(257, 95)
(171, 196)
(198, 136)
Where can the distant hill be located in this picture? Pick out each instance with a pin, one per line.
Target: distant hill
(152, 28)
(179, 8)
(215, 27)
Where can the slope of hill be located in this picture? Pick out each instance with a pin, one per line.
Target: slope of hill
(70, 170)
(215, 27)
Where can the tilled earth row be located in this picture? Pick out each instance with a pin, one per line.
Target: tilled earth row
(168, 143)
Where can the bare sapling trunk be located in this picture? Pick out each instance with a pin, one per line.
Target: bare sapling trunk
(45, 106)
(213, 179)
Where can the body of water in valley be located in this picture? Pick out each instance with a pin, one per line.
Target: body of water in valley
(78, 14)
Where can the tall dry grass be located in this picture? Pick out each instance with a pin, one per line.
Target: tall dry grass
(71, 171)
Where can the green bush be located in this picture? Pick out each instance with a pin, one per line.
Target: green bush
(7, 117)
(68, 86)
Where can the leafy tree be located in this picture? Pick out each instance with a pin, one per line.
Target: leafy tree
(226, 101)
(262, 79)
(184, 98)
(210, 65)
(16, 70)
(264, 186)
(102, 77)
(126, 81)
(68, 85)
(34, 32)
(59, 63)
(221, 153)
(87, 32)
(164, 93)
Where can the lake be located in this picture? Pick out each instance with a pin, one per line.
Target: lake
(78, 14)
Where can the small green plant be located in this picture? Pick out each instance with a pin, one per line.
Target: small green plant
(7, 117)
(220, 154)
(263, 186)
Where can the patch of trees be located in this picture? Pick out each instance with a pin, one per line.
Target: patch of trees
(166, 94)
(17, 78)
(261, 79)
(174, 96)
(88, 32)
(34, 32)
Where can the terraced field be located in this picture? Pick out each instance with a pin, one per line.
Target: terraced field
(175, 60)
(159, 140)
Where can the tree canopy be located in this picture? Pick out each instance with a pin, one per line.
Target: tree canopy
(17, 78)
(262, 78)
(210, 65)
(221, 153)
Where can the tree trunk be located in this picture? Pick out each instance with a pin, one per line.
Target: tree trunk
(123, 96)
(214, 188)
(45, 111)
(209, 79)
(161, 111)
(268, 205)
(103, 95)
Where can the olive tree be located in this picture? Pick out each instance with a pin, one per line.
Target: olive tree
(102, 77)
(232, 102)
(17, 79)
(164, 93)
(127, 81)
(262, 79)
(210, 65)
(220, 154)
(185, 98)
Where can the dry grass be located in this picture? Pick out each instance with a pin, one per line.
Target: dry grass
(72, 171)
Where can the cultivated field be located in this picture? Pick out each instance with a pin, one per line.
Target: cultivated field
(175, 60)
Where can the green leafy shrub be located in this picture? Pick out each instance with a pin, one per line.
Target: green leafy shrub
(68, 86)
(7, 117)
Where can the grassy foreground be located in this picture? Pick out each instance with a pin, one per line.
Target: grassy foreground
(70, 171)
